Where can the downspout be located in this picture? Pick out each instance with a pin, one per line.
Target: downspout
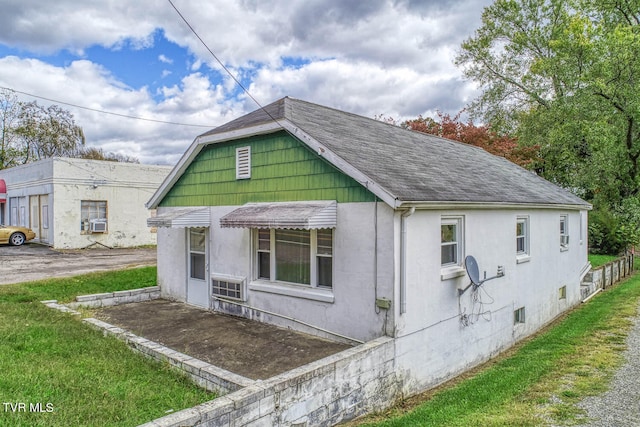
(403, 258)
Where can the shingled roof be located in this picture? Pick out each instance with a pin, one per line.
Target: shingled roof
(410, 166)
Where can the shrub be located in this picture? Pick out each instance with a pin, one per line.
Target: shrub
(615, 231)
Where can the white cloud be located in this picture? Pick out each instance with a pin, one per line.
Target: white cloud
(163, 58)
(86, 84)
(390, 57)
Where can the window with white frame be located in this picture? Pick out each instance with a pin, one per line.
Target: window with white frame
(91, 209)
(564, 231)
(522, 236)
(295, 256)
(264, 254)
(451, 242)
(197, 253)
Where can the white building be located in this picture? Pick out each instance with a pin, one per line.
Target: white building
(76, 203)
(351, 228)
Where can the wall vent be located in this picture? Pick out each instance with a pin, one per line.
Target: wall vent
(243, 163)
(231, 287)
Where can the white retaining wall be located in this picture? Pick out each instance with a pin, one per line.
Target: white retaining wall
(323, 393)
(337, 388)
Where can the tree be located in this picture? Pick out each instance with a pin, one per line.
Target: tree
(9, 113)
(32, 132)
(563, 75)
(48, 132)
(480, 136)
(95, 153)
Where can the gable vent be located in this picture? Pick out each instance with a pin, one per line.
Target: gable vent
(243, 163)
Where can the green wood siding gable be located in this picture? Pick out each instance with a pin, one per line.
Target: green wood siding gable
(282, 169)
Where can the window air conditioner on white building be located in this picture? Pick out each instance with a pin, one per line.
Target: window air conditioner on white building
(98, 225)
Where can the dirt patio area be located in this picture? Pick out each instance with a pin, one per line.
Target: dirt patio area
(252, 349)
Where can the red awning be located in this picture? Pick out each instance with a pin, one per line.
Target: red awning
(3, 191)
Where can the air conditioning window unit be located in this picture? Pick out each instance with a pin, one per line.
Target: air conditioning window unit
(98, 225)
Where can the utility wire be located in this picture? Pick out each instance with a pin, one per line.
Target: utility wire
(224, 67)
(106, 112)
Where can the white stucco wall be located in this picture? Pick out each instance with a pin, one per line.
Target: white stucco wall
(25, 181)
(354, 286)
(352, 312)
(441, 333)
(126, 187)
(432, 334)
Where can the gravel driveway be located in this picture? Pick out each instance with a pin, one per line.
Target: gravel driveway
(33, 261)
(620, 405)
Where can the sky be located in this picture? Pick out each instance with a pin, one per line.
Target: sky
(105, 59)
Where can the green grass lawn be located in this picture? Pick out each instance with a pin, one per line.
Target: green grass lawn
(78, 376)
(538, 382)
(598, 260)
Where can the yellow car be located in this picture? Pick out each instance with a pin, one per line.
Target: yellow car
(15, 236)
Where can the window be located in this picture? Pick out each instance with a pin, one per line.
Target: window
(264, 254)
(14, 212)
(518, 316)
(522, 235)
(324, 258)
(295, 256)
(45, 216)
(451, 241)
(197, 253)
(562, 293)
(564, 231)
(91, 209)
(243, 163)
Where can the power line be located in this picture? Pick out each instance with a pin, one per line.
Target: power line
(106, 112)
(224, 67)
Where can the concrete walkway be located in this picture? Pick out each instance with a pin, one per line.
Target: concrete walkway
(620, 406)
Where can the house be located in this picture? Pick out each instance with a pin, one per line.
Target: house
(76, 203)
(350, 228)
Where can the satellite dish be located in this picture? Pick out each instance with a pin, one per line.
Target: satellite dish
(471, 265)
(473, 271)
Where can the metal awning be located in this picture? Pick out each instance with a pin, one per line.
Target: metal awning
(3, 191)
(181, 218)
(298, 215)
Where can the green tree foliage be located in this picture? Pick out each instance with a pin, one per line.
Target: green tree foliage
(563, 75)
(32, 132)
(47, 132)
